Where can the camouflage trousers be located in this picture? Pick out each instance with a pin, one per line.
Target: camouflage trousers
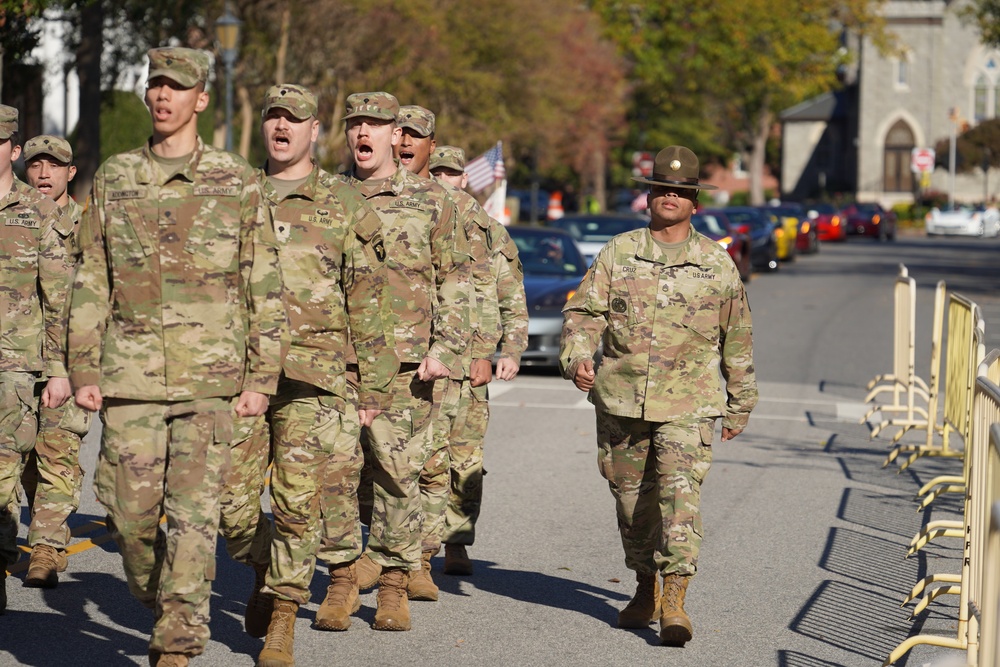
(166, 458)
(242, 522)
(52, 478)
(655, 472)
(400, 441)
(18, 427)
(314, 484)
(451, 483)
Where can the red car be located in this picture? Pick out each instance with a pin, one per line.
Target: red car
(829, 222)
(871, 220)
(736, 244)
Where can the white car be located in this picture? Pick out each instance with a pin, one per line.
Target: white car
(963, 221)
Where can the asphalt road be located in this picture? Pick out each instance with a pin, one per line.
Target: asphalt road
(802, 564)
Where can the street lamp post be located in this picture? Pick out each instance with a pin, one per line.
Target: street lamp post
(227, 32)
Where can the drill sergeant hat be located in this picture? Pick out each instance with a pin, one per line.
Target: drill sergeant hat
(418, 119)
(47, 144)
(296, 99)
(448, 157)
(8, 122)
(187, 67)
(379, 105)
(675, 166)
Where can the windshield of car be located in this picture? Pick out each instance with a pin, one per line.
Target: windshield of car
(786, 212)
(824, 209)
(746, 218)
(548, 254)
(708, 224)
(867, 208)
(597, 230)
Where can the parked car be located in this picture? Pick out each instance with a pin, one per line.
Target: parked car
(963, 221)
(763, 238)
(807, 239)
(870, 219)
(829, 222)
(786, 232)
(736, 244)
(553, 269)
(591, 232)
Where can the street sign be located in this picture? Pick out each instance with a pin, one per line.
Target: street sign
(642, 164)
(922, 160)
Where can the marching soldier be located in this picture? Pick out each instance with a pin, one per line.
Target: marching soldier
(428, 261)
(671, 311)
(53, 478)
(36, 273)
(176, 322)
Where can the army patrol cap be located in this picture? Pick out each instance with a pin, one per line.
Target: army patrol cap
(8, 122)
(188, 67)
(676, 166)
(372, 105)
(47, 144)
(448, 157)
(418, 119)
(296, 99)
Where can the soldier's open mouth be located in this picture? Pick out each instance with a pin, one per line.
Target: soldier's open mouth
(364, 151)
(405, 156)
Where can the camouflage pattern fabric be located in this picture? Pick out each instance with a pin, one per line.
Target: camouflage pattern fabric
(53, 477)
(18, 426)
(169, 457)
(196, 310)
(465, 451)
(401, 442)
(242, 522)
(317, 461)
(435, 477)
(655, 472)
(668, 327)
(512, 305)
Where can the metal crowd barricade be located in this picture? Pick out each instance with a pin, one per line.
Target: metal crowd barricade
(903, 383)
(983, 465)
(989, 615)
(931, 424)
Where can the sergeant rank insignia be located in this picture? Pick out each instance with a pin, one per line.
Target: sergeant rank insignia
(618, 305)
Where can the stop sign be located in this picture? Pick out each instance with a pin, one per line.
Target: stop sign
(922, 159)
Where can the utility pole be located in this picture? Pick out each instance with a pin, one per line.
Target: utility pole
(953, 117)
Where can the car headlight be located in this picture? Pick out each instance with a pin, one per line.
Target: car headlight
(725, 242)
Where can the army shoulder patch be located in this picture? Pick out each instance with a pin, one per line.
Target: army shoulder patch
(379, 247)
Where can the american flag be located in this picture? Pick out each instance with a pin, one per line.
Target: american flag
(486, 169)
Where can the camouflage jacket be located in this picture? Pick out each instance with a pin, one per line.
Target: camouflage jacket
(509, 277)
(484, 311)
(332, 262)
(668, 330)
(178, 292)
(35, 277)
(427, 255)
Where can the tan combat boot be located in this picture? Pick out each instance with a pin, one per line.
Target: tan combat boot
(173, 660)
(393, 611)
(422, 586)
(278, 651)
(641, 611)
(675, 626)
(341, 599)
(43, 568)
(368, 572)
(456, 560)
(260, 605)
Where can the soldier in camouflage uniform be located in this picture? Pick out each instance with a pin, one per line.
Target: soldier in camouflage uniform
(35, 276)
(428, 260)
(332, 257)
(671, 311)
(501, 316)
(52, 478)
(176, 321)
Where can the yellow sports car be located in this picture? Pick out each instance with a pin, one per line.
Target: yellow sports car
(786, 231)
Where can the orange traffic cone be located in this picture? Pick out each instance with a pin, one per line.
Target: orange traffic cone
(555, 209)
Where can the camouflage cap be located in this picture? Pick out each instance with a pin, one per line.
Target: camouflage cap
(448, 157)
(8, 121)
(416, 118)
(47, 144)
(678, 167)
(296, 99)
(372, 105)
(187, 67)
